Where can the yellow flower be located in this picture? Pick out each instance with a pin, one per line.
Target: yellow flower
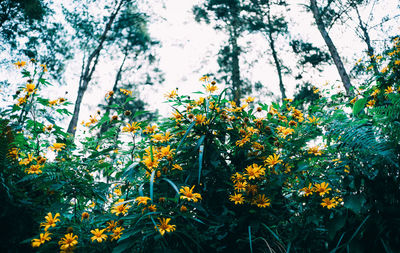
(132, 128)
(261, 201)
(314, 150)
(111, 225)
(329, 203)
(177, 167)
(42, 239)
(389, 90)
(27, 160)
(313, 120)
(126, 92)
(322, 188)
(177, 115)
(30, 87)
(237, 198)
(373, 94)
(92, 205)
(20, 64)
(371, 103)
(272, 160)
(119, 208)
(172, 94)
(254, 171)
(85, 215)
(164, 226)
(284, 131)
(109, 94)
(117, 232)
(150, 129)
(68, 242)
(211, 88)
(34, 169)
(188, 194)
(142, 200)
(57, 146)
(307, 190)
(241, 142)
(21, 101)
(397, 62)
(353, 100)
(240, 185)
(249, 100)
(385, 69)
(200, 119)
(44, 67)
(204, 78)
(98, 235)
(166, 151)
(50, 221)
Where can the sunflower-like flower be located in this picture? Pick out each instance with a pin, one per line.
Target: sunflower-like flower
(237, 198)
(329, 203)
(131, 128)
(50, 221)
(98, 235)
(57, 146)
(261, 201)
(42, 239)
(120, 208)
(322, 188)
(306, 191)
(142, 200)
(272, 160)
(68, 242)
(254, 171)
(188, 194)
(117, 232)
(164, 226)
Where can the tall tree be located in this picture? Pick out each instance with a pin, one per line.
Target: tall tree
(319, 20)
(262, 19)
(92, 41)
(228, 17)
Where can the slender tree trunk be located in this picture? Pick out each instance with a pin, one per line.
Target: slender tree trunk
(88, 70)
(332, 49)
(275, 53)
(367, 40)
(236, 82)
(104, 127)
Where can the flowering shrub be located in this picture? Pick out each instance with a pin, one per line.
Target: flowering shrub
(215, 176)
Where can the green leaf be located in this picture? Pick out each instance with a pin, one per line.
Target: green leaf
(359, 105)
(185, 135)
(152, 184)
(251, 243)
(354, 203)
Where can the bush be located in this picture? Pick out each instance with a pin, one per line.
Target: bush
(216, 176)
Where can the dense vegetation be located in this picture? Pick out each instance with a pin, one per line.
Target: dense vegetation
(216, 176)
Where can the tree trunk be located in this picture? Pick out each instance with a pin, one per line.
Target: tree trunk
(367, 40)
(332, 49)
(275, 53)
(88, 70)
(104, 127)
(236, 83)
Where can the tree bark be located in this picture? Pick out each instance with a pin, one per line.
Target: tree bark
(275, 53)
(367, 40)
(236, 82)
(88, 70)
(104, 127)
(332, 49)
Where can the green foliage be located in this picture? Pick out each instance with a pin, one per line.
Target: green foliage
(214, 177)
